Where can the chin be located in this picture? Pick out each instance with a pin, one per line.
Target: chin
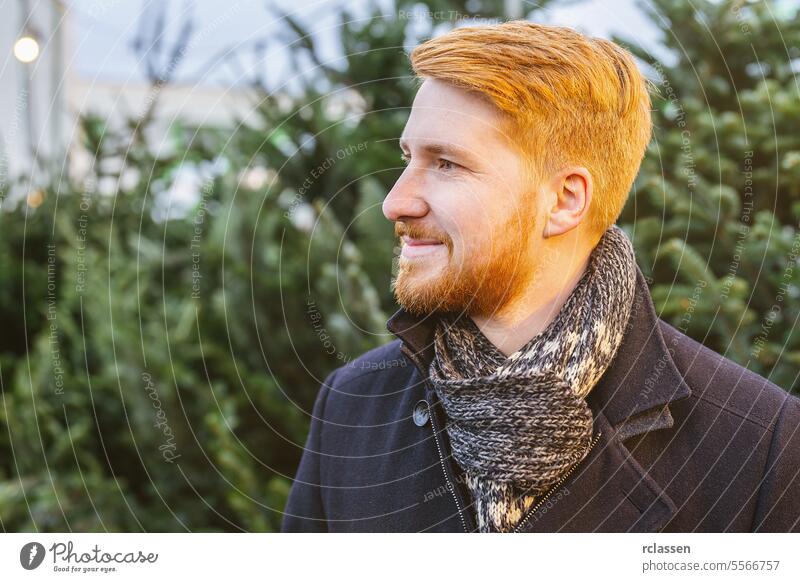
(421, 292)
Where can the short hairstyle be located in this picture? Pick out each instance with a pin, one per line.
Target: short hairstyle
(568, 99)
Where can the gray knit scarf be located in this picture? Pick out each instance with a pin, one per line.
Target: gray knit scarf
(517, 424)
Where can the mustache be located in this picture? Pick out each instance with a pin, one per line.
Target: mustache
(413, 230)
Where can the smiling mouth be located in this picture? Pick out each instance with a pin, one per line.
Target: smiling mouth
(418, 247)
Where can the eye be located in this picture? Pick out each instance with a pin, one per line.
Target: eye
(446, 164)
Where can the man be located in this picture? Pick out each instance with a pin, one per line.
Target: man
(532, 386)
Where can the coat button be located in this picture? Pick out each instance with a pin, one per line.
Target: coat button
(421, 414)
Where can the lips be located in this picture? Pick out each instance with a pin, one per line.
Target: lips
(417, 247)
(420, 241)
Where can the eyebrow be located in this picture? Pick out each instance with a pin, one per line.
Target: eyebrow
(437, 148)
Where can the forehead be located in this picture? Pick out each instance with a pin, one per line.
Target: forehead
(445, 114)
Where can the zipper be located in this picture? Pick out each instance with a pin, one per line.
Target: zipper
(558, 483)
(432, 418)
(444, 469)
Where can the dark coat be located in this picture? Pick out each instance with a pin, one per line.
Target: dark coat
(687, 440)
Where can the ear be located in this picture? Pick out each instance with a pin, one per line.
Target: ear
(572, 190)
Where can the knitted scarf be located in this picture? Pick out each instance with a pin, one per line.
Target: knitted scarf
(517, 424)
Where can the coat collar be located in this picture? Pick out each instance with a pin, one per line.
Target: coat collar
(631, 398)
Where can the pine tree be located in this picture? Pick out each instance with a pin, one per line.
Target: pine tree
(132, 335)
(714, 210)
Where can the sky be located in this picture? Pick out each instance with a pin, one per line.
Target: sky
(246, 38)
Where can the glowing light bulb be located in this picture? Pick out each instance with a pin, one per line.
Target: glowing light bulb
(26, 49)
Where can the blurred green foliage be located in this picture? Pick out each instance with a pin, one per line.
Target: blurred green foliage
(159, 361)
(715, 209)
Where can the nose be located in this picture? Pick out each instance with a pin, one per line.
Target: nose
(404, 200)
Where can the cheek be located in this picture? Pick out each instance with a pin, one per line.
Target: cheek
(468, 227)
(471, 213)
(471, 207)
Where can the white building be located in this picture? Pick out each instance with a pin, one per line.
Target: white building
(32, 112)
(76, 66)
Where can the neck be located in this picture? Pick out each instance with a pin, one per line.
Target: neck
(531, 311)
